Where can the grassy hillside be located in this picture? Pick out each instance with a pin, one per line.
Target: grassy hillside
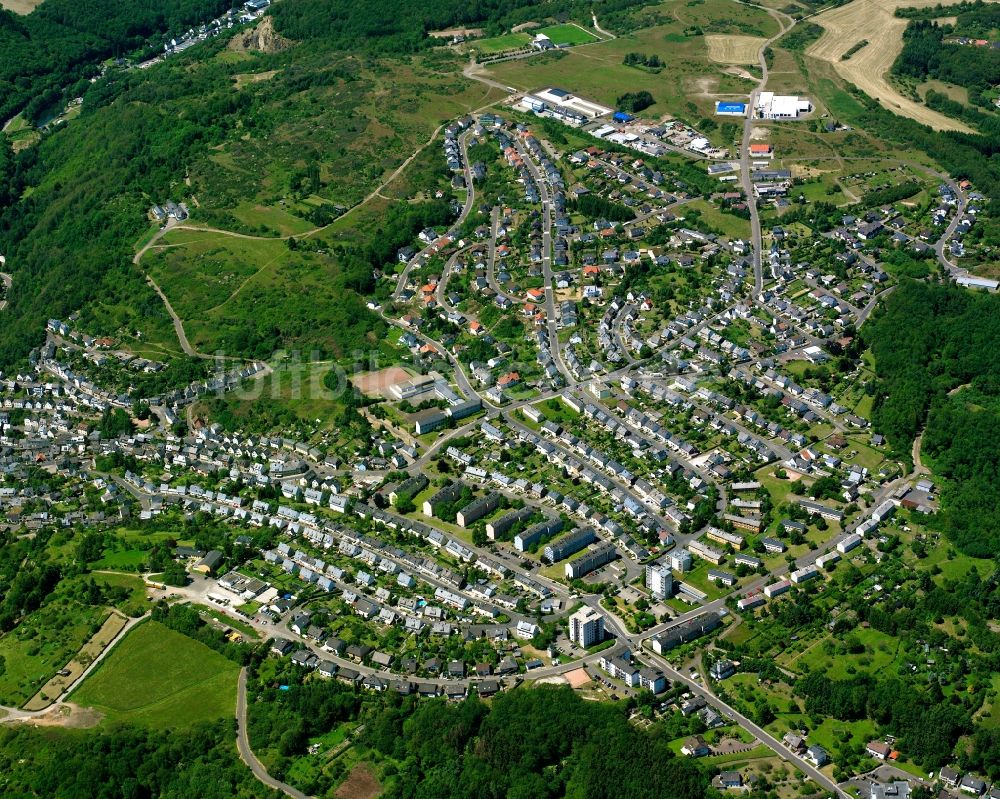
(160, 678)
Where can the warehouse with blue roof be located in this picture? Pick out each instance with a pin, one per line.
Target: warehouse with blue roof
(730, 109)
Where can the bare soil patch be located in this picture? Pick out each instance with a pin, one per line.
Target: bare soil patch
(578, 678)
(246, 78)
(70, 716)
(361, 783)
(739, 73)
(451, 32)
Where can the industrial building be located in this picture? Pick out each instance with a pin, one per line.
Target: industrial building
(726, 108)
(781, 106)
(563, 105)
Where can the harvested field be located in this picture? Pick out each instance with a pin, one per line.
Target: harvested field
(360, 784)
(733, 49)
(20, 6)
(868, 68)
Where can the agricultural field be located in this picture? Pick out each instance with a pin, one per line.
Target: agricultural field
(733, 49)
(20, 6)
(873, 20)
(160, 678)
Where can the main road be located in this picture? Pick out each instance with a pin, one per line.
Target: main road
(757, 731)
(745, 178)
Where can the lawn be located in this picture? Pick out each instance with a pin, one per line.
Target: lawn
(121, 559)
(161, 678)
(568, 34)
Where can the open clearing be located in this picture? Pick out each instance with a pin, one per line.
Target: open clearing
(360, 784)
(160, 678)
(868, 68)
(733, 49)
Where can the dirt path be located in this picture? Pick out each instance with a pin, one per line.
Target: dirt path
(918, 467)
(599, 29)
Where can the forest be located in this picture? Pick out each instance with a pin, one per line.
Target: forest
(126, 763)
(926, 54)
(531, 743)
(927, 727)
(53, 52)
(400, 26)
(934, 345)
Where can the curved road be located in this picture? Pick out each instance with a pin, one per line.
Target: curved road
(243, 745)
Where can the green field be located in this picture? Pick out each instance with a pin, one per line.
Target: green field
(41, 645)
(498, 44)
(568, 34)
(161, 678)
(731, 226)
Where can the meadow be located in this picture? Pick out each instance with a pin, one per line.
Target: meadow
(160, 678)
(41, 645)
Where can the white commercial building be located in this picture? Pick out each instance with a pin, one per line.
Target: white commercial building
(781, 106)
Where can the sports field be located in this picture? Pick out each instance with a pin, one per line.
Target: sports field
(160, 678)
(567, 34)
(868, 68)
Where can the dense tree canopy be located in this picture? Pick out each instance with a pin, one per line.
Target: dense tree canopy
(538, 743)
(937, 351)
